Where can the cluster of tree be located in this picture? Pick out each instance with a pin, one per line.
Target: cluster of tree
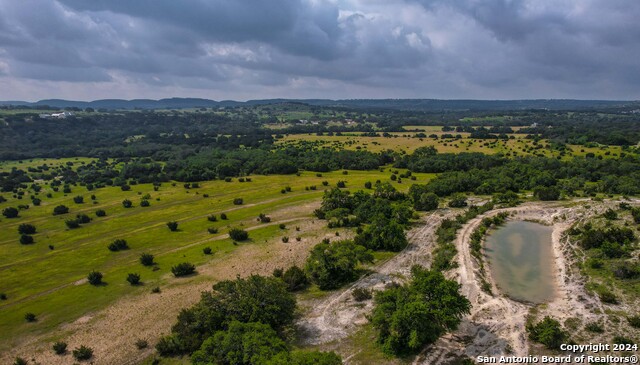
(133, 134)
(332, 264)
(613, 242)
(241, 321)
(219, 164)
(386, 212)
(547, 177)
(410, 316)
(446, 233)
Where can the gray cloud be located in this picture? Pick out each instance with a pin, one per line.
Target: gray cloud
(320, 48)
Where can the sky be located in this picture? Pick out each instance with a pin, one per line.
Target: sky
(333, 49)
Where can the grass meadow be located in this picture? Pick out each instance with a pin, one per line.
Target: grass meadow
(51, 282)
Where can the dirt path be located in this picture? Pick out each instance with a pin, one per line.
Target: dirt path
(112, 332)
(338, 315)
(496, 325)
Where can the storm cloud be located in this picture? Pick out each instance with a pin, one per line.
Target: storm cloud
(247, 49)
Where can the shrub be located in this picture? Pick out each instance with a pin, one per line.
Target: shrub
(156, 290)
(361, 294)
(207, 250)
(26, 228)
(622, 340)
(25, 239)
(60, 348)
(118, 245)
(238, 234)
(173, 226)
(83, 218)
(72, 223)
(212, 218)
(127, 203)
(607, 297)
(212, 230)
(634, 321)
(100, 213)
(83, 353)
(295, 278)
(610, 214)
(146, 259)
(277, 272)
(141, 344)
(36, 202)
(341, 184)
(60, 209)
(78, 199)
(169, 346)
(367, 185)
(223, 216)
(458, 201)
(144, 203)
(30, 317)
(548, 332)
(325, 183)
(282, 226)
(263, 218)
(183, 269)
(238, 201)
(20, 361)
(3, 296)
(285, 239)
(594, 327)
(51, 247)
(95, 278)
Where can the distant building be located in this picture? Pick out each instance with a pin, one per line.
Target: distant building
(61, 115)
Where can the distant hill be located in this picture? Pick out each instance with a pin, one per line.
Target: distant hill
(392, 104)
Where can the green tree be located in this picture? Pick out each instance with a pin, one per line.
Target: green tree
(95, 278)
(242, 344)
(427, 202)
(458, 200)
(238, 234)
(133, 278)
(26, 228)
(60, 209)
(146, 259)
(548, 332)
(252, 299)
(183, 269)
(331, 265)
(383, 234)
(410, 316)
(295, 278)
(173, 226)
(10, 212)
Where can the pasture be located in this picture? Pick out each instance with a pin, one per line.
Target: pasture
(51, 281)
(407, 142)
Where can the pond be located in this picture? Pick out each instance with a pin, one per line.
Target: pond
(520, 257)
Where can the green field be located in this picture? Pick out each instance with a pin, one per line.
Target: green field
(49, 282)
(407, 142)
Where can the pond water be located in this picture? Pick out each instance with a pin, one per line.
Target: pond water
(520, 257)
